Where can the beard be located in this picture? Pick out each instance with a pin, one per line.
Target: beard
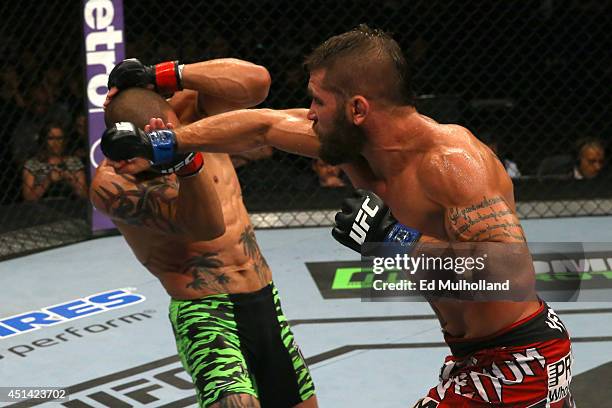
(343, 143)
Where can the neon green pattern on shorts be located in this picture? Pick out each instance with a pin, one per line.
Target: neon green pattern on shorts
(305, 384)
(209, 348)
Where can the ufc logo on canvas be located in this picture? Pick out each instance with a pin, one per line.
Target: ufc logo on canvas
(360, 226)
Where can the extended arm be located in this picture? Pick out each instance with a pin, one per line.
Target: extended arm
(231, 132)
(244, 130)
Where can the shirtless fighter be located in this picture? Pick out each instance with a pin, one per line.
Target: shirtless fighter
(230, 331)
(441, 185)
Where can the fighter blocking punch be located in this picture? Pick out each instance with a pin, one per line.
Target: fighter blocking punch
(166, 79)
(226, 315)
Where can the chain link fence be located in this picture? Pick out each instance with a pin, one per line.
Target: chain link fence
(531, 78)
(44, 148)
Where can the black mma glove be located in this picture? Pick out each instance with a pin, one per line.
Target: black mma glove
(166, 77)
(366, 219)
(124, 141)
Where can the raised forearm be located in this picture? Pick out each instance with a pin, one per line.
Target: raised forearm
(231, 79)
(244, 130)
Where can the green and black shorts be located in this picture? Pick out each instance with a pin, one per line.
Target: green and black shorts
(240, 344)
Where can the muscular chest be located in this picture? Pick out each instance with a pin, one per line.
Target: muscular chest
(411, 207)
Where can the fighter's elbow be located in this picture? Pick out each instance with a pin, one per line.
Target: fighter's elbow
(259, 85)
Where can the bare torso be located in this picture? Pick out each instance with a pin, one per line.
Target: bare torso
(404, 194)
(188, 269)
(231, 263)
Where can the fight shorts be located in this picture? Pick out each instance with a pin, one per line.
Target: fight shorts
(240, 344)
(528, 364)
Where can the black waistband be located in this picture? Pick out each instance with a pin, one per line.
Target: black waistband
(250, 297)
(532, 329)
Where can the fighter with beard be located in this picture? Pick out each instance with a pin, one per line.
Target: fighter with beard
(427, 182)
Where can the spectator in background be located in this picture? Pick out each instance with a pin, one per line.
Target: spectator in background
(74, 94)
(40, 110)
(52, 82)
(591, 154)
(510, 166)
(12, 100)
(52, 173)
(329, 176)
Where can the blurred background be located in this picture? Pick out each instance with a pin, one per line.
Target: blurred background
(531, 78)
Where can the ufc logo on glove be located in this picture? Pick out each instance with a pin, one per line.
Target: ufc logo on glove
(360, 226)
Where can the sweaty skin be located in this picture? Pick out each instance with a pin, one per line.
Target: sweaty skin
(188, 267)
(436, 178)
(162, 226)
(442, 181)
(439, 179)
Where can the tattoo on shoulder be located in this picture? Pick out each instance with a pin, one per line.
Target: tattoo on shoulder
(491, 219)
(143, 203)
(203, 268)
(251, 249)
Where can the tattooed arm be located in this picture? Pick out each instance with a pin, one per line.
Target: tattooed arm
(158, 204)
(476, 207)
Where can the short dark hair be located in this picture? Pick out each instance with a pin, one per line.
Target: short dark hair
(136, 105)
(43, 147)
(364, 61)
(589, 142)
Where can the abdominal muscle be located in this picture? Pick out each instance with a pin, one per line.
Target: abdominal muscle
(231, 263)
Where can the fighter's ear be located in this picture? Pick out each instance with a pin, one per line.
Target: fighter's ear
(359, 107)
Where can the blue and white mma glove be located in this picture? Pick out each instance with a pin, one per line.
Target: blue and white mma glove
(365, 219)
(124, 141)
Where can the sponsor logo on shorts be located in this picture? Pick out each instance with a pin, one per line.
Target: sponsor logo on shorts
(559, 378)
(67, 311)
(554, 322)
(488, 383)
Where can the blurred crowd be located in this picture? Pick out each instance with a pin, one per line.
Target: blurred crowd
(44, 150)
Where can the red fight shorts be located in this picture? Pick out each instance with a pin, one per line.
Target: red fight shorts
(528, 364)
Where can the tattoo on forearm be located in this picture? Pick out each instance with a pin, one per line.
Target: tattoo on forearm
(489, 220)
(251, 249)
(239, 401)
(203, 268)
(149, 203)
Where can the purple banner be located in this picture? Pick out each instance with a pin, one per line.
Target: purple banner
(104, 47)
